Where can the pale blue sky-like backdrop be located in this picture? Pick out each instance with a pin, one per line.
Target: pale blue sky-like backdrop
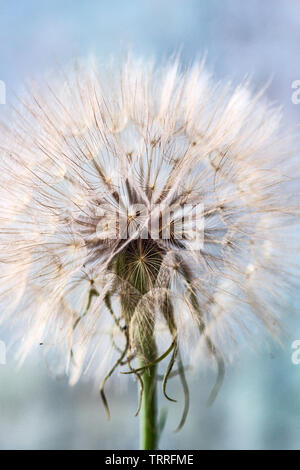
(259, 404)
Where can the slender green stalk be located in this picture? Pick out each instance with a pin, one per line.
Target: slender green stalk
(148, 419)
(139, 265)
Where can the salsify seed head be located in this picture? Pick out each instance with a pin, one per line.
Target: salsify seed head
(142, 202)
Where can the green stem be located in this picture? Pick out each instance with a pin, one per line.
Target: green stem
(148, 413)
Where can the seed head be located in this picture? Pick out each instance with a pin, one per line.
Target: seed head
(145, 202)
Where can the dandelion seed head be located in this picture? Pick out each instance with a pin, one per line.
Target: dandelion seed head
(92, 162)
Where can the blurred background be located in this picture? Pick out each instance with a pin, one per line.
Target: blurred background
(258, 406)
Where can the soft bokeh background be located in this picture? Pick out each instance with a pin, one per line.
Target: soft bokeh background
(259, 404)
